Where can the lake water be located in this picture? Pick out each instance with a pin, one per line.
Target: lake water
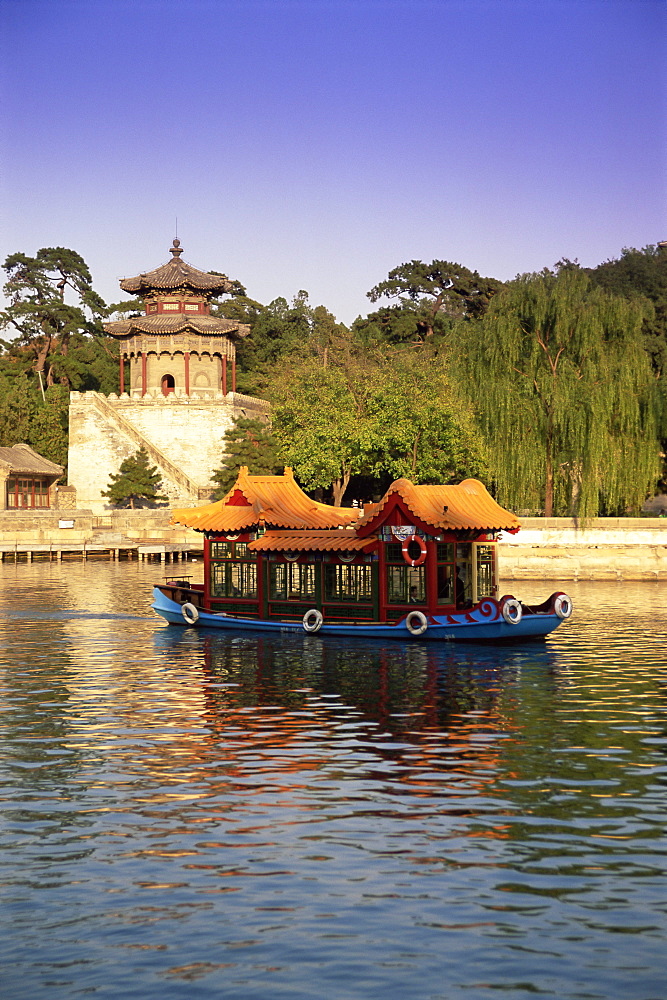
(189, 815)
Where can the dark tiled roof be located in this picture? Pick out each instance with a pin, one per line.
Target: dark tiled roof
(172, 323)
(21, 458)
(176, 274)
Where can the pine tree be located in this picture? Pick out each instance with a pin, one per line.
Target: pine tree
(135, 481)
(249, 442)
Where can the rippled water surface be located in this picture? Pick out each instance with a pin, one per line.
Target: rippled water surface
(189, 815)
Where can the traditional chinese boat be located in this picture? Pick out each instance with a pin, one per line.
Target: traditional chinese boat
(419, 565)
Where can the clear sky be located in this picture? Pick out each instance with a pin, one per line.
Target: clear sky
(316, 144)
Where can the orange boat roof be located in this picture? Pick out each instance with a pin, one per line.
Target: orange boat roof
(311, 541)
(447, 508)
(276, 501)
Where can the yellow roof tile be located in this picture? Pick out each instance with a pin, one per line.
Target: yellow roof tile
(275, 501)
(465, 506)
(311, 541)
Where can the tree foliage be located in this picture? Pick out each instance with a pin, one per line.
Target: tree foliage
(135, 482)
(345, 414)
(438, 287)
(249, 442)
(39, 312)
(641, 273)
(565, 395)
(27, 417)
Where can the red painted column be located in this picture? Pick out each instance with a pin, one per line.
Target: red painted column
(187, 373)
(431, 573)
(207, 572)
(234, 374)
(224, 375)
(144, 387)
(382, 581)
(122, 372)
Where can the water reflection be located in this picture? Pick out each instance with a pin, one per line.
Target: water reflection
(305, 817)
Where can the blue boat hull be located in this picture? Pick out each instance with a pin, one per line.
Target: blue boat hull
(483, 623)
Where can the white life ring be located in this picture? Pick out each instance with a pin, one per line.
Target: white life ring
(190, 613)
(511, 610)
(422, 550)
(415, 622)
(562, 606)
(312, 620)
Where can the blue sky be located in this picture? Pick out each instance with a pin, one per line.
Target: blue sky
(316, 144)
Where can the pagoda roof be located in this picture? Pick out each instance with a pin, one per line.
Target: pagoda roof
(175, 323)
(466, 506)
(177, 274)
(274, 501)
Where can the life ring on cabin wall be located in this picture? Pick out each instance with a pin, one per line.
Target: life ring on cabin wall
(190, 613)
(312, 620)
(415, 622)
(419, 541)
(511, 610)
(562, 606)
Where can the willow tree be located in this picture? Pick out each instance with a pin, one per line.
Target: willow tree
(565, 393)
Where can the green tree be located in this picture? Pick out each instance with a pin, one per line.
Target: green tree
(346, 415)
(49, 430)
(19, 406)
(423, 428)
(440, 287)
(38, 310)
(249, 442)
(565, 395)
(135, 482)
(641, 272)
(319, 427)
(277, 331)
(27, 417)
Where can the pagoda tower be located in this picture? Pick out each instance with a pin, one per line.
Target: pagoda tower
(177, 387)
(177, 346)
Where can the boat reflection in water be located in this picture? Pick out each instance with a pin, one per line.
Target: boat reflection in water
(284, 697)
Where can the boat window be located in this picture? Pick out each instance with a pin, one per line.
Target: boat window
(241, 551)
(406, 585)
(485, 574)
(464, 594)
(291, 581)
(231, 550)
(221, 550)
(234, 579)
(445, 573)
(347, 582)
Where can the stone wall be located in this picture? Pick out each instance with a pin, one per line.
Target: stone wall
(183, 436)
(56, 527)
(605, 548)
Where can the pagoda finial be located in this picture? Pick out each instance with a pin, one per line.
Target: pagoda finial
(176, 249)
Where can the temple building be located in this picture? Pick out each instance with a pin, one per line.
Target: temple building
(177, 388)
(177, 346)
(26, 478)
